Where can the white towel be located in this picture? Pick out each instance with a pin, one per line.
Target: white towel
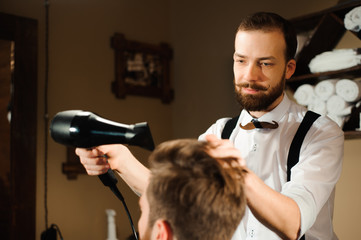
(349, 90)
(336, 105)
(318, 106)
(325, 89)
(352, 19)
(304, 94)
(334, 60)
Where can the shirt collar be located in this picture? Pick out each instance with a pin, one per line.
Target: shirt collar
(274, 115)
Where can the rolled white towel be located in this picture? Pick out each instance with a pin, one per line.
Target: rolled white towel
(336, 105)
(325, 89)
(352, 19)
(318, 106)
(336, 59)
(349, 90)
(304, 94)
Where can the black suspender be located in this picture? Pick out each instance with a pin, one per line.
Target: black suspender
(295, 148)
(228, 128)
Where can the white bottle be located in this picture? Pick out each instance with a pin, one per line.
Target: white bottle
(112, 234)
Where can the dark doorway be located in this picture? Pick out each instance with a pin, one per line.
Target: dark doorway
(18, 112)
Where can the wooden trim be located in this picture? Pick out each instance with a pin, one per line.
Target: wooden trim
(23, 31)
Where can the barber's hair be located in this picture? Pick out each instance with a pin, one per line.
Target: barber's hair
(266, 22)
(199, 196)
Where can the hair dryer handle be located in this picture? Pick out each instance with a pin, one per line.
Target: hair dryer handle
(108, 178)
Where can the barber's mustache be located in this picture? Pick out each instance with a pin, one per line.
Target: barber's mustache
(253, 86)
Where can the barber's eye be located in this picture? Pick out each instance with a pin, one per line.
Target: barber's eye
(266, 64)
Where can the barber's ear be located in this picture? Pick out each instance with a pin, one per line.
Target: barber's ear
(290, 68)
(162, 230)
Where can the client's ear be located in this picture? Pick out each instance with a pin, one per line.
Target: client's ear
(162, 230)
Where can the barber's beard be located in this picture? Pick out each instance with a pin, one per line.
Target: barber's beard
(262, 100)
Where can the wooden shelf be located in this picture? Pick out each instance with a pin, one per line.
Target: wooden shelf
(352, 135)
(309, 21)
(344, 73)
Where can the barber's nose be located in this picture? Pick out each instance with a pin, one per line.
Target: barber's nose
(252, 72)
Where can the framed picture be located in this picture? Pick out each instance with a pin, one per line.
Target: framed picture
(72, 167)
(142, 69)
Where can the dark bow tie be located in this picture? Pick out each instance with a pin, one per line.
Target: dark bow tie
(257, 124)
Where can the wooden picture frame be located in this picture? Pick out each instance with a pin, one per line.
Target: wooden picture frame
(72, 167)
(141, 69)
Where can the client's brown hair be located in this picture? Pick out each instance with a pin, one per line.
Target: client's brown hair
(199, 196)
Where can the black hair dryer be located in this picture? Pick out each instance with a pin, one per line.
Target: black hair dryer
(82, 129)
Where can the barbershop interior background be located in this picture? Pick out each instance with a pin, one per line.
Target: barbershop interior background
(81, 71)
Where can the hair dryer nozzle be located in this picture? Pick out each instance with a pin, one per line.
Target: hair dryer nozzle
(60, 127)
(142, 136)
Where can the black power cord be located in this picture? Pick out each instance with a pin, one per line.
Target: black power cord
(50, 233)
(109, 179)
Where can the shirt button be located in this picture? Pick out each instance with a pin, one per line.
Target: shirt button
(251, 233)
(254, 147)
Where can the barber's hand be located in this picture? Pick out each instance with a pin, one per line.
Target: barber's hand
(98, 160)
(223, 148)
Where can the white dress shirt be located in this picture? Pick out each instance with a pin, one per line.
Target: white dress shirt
(313, 178)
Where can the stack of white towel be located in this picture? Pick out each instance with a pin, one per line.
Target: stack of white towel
(334, 98)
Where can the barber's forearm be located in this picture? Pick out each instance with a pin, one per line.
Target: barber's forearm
(136, 176)
(120, 159)
(276, 211)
